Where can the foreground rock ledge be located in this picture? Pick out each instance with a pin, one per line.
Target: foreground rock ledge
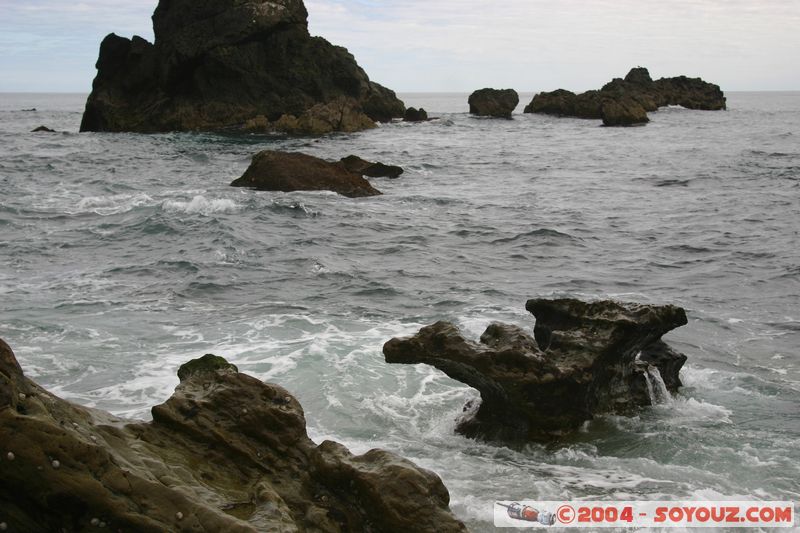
(272, 170)
(626, 102)
(584, 359)
(249, 64)
(225, 453)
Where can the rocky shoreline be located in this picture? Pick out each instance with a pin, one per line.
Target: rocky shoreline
(225, 453)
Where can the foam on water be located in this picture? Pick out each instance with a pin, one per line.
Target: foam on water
(111, 205)
(200, 204)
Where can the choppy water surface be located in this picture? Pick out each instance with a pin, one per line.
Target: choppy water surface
(122, 256)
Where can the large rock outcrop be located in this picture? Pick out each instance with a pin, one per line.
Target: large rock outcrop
(230, 63)
(498, 103)
(225, 453)
(272, 170)
(625, 102)
(584, 359)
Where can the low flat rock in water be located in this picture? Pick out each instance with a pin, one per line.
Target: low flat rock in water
(585, 358)
(225, 453)
(626, 102)
(370, 169)
(272, 170)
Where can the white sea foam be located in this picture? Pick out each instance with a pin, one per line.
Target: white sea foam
(201, 205)
(684, 410)
(113, 204)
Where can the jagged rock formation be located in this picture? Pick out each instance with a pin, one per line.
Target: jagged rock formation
(341, 114)
(231, 63)
(271, 170)
(413, 114)
(625, 102)
(225, 453)
(584, 359)
(493, 102)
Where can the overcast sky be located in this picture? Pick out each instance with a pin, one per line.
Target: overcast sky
(457, 45)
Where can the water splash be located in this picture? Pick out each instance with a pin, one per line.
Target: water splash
(656, 388)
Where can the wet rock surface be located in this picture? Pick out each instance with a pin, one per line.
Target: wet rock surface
(625, 102)
(225, 453)
(584, 358)
(272, 170)
(498, 103)
(231, 64)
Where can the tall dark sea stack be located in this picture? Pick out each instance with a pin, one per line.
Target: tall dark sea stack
(231, 63)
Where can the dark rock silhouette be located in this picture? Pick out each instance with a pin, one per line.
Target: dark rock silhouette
(584, 359)
(225, 453)
(293, 171)
(625, 102)
(413, 114)
(231, 63)
(43, 129)
(360, 166)
(493, 102)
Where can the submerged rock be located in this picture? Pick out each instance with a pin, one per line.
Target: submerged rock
(223, 64)
(43, 129)
(360, 166)
(584, 359)
(225, 453)
(271, 170)
(493, 102)
(625, 102)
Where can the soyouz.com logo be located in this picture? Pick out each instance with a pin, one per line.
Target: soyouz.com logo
(597, 514)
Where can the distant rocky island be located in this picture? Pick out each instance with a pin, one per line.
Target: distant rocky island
(497, 103)
(233, 64)
(626, 102)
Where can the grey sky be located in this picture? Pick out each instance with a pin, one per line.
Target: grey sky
(457, 45)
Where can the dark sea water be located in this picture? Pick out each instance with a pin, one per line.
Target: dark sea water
(123, 256)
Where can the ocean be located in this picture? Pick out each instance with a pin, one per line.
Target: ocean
(123, 256)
